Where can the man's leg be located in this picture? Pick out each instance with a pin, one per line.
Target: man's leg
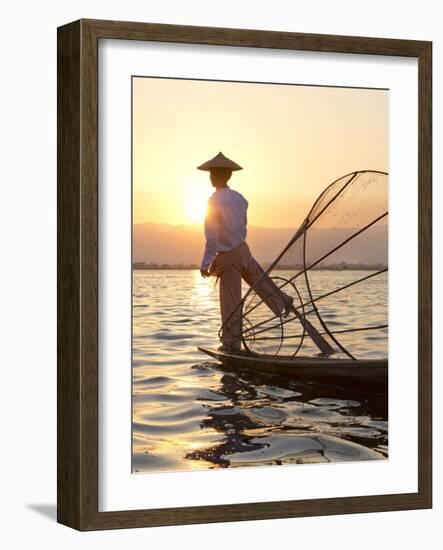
(277, 301)
(268, 291)
(230, 296)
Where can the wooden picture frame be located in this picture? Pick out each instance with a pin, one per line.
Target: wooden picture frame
(77, 457)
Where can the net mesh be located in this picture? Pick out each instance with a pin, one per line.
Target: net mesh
(335, 271)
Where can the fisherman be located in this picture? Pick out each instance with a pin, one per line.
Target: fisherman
(227, 254)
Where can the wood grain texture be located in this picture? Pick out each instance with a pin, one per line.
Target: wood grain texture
(78, 271)
(425, 273)
(254, 38)
(68, 276)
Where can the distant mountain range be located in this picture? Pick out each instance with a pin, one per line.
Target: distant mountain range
(155, 243)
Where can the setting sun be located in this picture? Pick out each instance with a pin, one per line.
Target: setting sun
(195, 207)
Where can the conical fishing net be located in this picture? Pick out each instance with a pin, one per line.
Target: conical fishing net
(335, 270)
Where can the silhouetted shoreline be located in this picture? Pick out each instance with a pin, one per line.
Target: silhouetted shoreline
(342, 266)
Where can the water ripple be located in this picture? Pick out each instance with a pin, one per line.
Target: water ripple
(190, 414)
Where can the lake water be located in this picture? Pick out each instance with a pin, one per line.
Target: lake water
(189, 414)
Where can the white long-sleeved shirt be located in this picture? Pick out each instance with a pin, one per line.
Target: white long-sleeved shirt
(225, 223)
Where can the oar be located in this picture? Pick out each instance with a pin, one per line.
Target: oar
(316, 337)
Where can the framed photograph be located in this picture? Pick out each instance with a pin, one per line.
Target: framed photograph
(244, 274)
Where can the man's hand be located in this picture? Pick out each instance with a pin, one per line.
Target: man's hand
(204, 273)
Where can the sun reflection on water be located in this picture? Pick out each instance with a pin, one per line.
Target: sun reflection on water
(189, 415)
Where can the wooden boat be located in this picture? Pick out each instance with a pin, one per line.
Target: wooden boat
(317, 369)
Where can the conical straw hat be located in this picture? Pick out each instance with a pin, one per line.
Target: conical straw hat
(220, 161)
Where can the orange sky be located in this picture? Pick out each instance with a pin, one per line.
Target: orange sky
(292, 141)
